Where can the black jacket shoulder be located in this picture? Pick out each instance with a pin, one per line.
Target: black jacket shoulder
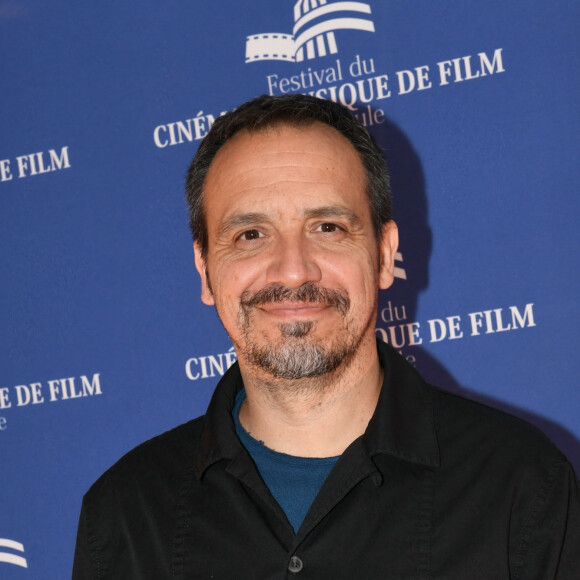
(502, 448)
(163, 456)
(144, 493)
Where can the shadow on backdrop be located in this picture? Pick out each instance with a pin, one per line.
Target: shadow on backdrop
(398, 304)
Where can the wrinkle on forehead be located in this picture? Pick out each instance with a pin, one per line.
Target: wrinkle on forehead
(284, 147)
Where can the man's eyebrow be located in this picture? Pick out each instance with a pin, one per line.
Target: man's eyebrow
(325, 212)
(333, 211)
(240, 220)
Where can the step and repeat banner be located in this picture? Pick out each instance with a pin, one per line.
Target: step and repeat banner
(104, 340)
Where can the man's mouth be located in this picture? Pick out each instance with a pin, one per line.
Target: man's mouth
(294, 309)
(307, 299)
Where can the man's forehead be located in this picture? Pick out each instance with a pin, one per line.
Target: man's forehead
(284, 151)
(304, 171)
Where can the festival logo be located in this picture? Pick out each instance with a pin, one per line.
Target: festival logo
(37, 163)
(10, 557)
(48, 392)
(399, 271)
(313, 34)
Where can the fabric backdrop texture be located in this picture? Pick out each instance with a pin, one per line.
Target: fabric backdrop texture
(104, 340)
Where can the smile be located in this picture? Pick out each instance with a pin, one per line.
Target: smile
(293, 310)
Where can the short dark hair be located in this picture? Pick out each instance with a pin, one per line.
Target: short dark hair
(294, 110)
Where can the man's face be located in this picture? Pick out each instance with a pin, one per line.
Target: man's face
(293, 265)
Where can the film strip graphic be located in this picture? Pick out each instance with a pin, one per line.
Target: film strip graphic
(10, 557)
(315, 22)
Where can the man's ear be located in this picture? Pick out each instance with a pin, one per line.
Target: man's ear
(206, 293)
(388, 245)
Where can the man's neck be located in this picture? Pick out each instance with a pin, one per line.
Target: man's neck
(313, 417)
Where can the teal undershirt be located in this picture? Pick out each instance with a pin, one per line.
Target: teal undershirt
(293, 481)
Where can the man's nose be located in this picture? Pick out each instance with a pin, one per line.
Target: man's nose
(293, 263)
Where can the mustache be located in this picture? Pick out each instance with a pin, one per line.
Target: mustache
(308, 292)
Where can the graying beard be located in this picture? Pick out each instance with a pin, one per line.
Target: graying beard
(296, 329)
(296, 356)
(297, 361)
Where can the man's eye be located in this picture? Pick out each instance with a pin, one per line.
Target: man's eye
(328, 228)
(251, 235)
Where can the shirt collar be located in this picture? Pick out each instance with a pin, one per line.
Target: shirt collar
(402, 425)
(219, 439)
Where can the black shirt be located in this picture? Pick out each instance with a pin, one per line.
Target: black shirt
(438, 487)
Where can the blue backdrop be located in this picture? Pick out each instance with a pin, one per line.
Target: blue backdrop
(105, 342)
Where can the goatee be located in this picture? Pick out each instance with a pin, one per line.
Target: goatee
(296, 354)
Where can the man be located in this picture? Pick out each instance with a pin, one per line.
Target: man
(322, 454)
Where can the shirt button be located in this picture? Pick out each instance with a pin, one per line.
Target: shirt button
(295, 565)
